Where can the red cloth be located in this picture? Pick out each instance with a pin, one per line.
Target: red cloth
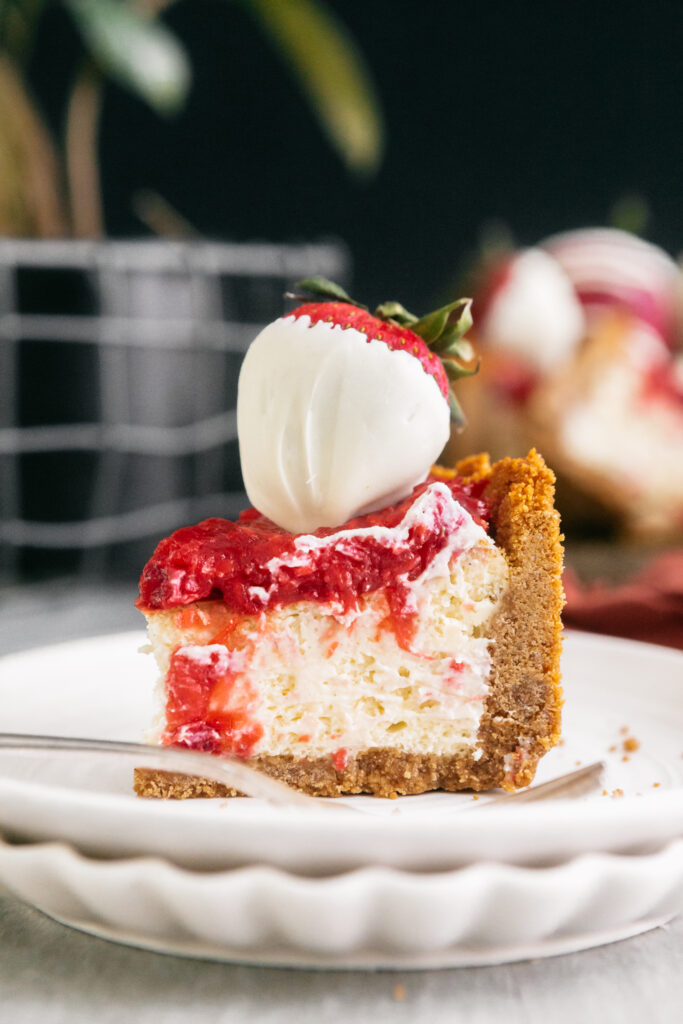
(649, 607)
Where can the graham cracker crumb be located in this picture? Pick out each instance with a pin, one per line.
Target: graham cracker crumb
(612, 749)
(626, 758)
(624, 729)
(631, 744)
(617, 792)
(656, 784)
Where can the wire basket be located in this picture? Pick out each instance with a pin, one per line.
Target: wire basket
(118, 385)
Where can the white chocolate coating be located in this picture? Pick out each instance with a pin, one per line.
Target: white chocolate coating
(536, 314)
(332, 425)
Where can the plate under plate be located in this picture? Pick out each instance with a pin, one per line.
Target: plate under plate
(373, 918)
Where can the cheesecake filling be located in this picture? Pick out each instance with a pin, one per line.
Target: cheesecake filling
(404, 665)
(333, 423)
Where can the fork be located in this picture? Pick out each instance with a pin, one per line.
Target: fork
(238, 774)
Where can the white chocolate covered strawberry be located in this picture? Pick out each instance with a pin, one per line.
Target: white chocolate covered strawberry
(341, 412)
(580, 337)
(533, 311)
(614, 270)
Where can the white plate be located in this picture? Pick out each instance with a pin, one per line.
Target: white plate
(372, 918)
(102, 687)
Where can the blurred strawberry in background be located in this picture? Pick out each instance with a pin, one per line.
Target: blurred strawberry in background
(580, 338)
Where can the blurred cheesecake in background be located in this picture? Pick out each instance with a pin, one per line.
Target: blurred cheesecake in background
(581, 355)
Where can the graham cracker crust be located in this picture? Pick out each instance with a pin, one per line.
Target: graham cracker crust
(381, 771)
(521, 719)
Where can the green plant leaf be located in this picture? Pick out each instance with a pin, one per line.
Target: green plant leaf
(321, 288)
(631, 212)
(331, 73)
(31, 203)
(395, 311)
(19, 20)
(137, 51)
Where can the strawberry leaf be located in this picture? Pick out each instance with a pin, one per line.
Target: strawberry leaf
(458, 322)
(456, 371)
(448, 320)
(457, 415)
(321, 288)
(395, 311)
(431, 326)
(459, 349)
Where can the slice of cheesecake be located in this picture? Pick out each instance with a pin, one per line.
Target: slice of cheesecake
(412, 649)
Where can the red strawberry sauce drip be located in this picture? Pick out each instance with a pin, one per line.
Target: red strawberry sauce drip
(208, 707)
(228, 561)
(395, 337)
(340, 759)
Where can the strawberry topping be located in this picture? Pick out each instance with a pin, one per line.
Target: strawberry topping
(208, 705)
(233, 562)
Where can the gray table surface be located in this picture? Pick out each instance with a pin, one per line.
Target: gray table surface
(51, 974)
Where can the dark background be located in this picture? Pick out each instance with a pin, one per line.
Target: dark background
(538, 115)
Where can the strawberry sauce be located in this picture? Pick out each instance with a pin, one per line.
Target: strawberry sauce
(252, 565)
(209, 705)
